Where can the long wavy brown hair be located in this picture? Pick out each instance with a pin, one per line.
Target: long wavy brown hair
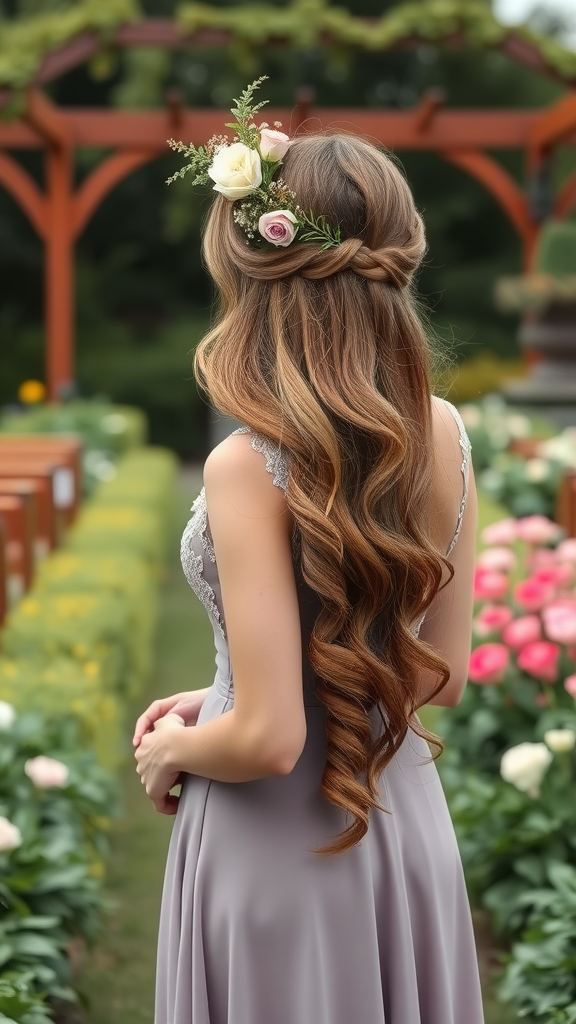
(324, 352)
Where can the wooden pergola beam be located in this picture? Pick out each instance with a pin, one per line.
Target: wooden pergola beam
(397, 129)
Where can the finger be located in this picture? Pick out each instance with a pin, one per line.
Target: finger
(166, 805)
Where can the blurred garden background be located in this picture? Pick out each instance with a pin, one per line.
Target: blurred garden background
(103, 298)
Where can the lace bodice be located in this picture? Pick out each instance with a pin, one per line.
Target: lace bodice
(197, 550)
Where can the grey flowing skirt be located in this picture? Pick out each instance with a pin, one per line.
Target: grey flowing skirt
(256, 928)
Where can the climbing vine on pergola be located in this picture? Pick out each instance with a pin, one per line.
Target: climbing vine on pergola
(36, 50)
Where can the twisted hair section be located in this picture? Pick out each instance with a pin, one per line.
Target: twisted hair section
(323, 351)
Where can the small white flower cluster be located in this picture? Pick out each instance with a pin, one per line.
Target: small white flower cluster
(44, 772)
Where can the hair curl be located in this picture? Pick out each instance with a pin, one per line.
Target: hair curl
(323, 351)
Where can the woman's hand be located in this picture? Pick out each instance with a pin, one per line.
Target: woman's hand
(186, 704)
(153, 763)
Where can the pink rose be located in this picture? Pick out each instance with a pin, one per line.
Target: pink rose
(560, 621)
(502, 532)
(570, 686)
(566, 550)
(492, 618)
(522, 631)
(46, 772)
(536, 529)
(540, 660)
(533, 593)
(278, 227)
(488, 663)
(273, 145)
(489, 585)
(500, 559)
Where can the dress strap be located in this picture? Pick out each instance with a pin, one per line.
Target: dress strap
(466, 447)
(276, 460)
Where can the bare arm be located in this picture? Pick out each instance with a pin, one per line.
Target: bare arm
(448, 623)
(264, 733)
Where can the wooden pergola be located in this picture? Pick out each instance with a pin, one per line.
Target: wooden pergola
(60, 212)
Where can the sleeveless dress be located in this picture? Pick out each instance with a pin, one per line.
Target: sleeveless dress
(256, 928)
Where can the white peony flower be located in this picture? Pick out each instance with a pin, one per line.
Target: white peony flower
(237, 171)
(10, 835)
(536, 470)
(7, 715)
(46, 772)
(525, 766)
(560, 740)
(518, 425)
(471, 416)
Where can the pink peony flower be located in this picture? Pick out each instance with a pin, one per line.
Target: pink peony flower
(557, 575)
(500, 559)
(541, 558)
(533, 593)
(522, 631)
(488, 663)
(560, 620)
(502, 532)
(492, 618)
(566, 550)
(273, 145)
(536, 530)
(489, 585)
(540, 660)
(46, 772)
(570, 686)
(278, 227)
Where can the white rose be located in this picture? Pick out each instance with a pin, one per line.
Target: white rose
(10, 835)
(560, 740)
(525, 766)
(237, 171)
(7, 715)
(46, 772)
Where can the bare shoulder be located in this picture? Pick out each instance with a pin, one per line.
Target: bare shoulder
(235, 472)
(447, 481)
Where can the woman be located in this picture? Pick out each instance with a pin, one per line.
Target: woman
(313, 875)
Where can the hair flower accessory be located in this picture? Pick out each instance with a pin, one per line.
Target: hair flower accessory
(243, 170)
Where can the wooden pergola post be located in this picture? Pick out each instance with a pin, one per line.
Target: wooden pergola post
(59, 242)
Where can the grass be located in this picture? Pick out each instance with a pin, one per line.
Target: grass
(118, 977)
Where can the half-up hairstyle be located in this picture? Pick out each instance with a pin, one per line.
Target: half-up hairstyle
(322, 350)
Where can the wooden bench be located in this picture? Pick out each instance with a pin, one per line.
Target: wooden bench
(16, 512)
(3, 570)
(40, 476)
(65, 452)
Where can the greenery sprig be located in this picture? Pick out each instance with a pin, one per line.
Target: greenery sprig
(320, 231)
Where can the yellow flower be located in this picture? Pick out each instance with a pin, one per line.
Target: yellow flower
(92, 668)
(9, 669)
(31, 392)
(29, 607)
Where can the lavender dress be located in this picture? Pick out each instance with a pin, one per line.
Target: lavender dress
(258, 929)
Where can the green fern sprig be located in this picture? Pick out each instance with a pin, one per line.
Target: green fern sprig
(321, 232)
(244, 111)
(199, 161)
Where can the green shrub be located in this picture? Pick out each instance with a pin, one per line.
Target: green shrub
(65, 688)
(52, 847)
(541, 976)
(19, 1003)
(87, 627)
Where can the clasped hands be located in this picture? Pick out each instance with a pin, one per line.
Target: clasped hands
(153, 742)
